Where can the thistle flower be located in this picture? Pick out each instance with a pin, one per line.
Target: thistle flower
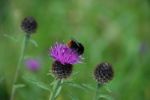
(29, 25)
(32, 64)
(64, 58)
(64, 54)
(103, 73)
(61, 70)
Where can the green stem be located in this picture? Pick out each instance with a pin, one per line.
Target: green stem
(56, 87)
(97, 91)
(23, 48)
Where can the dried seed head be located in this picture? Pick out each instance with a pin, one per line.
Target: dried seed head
(103, 73)
(29, 25)
(61, 70)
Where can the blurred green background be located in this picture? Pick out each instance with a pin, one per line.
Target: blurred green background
(116, 31)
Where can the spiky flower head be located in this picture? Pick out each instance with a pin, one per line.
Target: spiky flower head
(29, 25)
(32, 64)
(103, 73)
(65, 55)
(61, 71)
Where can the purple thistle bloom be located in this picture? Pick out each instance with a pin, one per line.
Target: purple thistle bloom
(32, 64)
(64, 54)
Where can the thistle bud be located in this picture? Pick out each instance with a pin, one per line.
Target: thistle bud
(61, 70)
(103, 73)
(29, 25)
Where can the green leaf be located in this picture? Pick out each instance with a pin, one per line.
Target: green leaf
(37, 83)
(58, 91)
(75, 85)
(58, 87)
(19, 85)
(51, 74)
(10, 37)
(107, 89)
(34, 42)
(107, 97)
(52, 83)
(87, 86)
(73, 97)
(42, 85)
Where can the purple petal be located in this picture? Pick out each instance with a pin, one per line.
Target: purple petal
(64, 54)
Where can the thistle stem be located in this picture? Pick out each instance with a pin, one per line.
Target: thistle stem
(97, 91)
(23, 48)
(56, 87)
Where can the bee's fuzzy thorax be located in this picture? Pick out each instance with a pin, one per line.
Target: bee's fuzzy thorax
(76, 46)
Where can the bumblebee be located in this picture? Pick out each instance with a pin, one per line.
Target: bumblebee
(77, 46)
